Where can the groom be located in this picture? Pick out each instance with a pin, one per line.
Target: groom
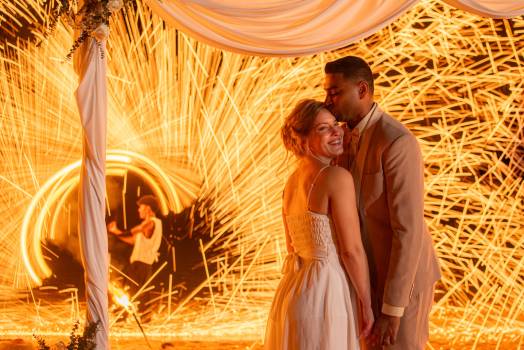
(385, 161)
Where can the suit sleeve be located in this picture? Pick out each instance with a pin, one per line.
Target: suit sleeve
(403, 172)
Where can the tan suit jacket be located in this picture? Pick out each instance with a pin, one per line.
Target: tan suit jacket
(389, 185)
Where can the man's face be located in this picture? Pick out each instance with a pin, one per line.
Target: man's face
(142, 211)
(342, 97)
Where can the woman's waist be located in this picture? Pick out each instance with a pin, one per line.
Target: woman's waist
(296, 260)
(315, 252)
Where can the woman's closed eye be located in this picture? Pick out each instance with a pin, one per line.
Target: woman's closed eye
(325, 127)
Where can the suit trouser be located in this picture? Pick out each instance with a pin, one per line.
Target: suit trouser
(413, 332)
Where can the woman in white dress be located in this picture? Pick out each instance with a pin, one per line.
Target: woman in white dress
(325, 283)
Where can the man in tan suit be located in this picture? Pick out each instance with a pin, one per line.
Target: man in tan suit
(385, 161)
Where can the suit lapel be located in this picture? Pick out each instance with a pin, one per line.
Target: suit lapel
(362, 155)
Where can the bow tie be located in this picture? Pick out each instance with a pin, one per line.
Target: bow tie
(351, 137)
(352, 133)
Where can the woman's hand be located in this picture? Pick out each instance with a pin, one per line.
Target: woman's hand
(367, 320)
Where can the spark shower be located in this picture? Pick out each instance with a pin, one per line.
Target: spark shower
(210, 120)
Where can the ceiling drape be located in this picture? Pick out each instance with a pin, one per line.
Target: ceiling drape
(299, 27)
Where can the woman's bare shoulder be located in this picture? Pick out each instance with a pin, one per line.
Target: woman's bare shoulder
(337, 172)
(336, 177)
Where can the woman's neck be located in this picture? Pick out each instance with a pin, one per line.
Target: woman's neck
(313, 159)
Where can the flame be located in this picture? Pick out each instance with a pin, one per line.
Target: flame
(120, 296)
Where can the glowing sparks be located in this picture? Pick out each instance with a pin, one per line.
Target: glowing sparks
(208, 122)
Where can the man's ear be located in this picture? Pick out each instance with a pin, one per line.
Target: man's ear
(362, 88)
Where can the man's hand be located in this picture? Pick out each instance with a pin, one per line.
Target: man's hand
(111, 227)
(385, 330)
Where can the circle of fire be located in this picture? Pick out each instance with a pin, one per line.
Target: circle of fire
(44, 208)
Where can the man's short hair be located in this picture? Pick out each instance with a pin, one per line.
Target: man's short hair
(150, 201)
(351, 67)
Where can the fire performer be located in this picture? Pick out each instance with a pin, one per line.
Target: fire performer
(145, 238)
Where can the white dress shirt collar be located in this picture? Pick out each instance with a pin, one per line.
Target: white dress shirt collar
(365, 122)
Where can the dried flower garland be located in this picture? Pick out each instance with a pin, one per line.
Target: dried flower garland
(92, 19)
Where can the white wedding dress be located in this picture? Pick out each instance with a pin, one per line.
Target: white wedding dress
(314, 307)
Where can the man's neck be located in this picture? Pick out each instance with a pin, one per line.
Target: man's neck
(354, 122)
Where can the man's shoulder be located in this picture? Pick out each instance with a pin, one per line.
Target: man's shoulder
(157, 222)
(390, 129)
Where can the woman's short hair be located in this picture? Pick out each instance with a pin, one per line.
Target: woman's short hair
(298, 124)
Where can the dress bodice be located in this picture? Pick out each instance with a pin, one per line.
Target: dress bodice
(311, 235)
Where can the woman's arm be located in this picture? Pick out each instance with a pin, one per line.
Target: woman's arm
(343, 209)
(289, 246)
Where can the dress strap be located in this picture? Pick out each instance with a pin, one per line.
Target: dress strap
(313, 184)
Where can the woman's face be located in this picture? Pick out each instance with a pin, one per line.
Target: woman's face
(325, 138)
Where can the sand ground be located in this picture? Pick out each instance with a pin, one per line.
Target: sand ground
(163, 344)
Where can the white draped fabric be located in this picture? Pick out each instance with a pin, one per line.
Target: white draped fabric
(91, 97)
(490, 8)
(298, 27)
(280, 27)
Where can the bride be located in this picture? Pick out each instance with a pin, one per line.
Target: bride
(316, 305)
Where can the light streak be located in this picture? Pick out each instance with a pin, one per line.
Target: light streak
(25, 224)
(209, 120)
